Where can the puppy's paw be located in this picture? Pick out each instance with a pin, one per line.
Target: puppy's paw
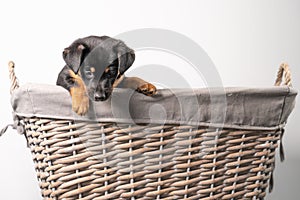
(147, 89)
(80, 104)
(80, 99)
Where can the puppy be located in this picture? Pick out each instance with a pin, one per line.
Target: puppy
(94, 66)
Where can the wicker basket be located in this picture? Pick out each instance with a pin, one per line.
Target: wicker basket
(103, 159)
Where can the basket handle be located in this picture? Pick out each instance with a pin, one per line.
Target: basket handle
(13, 79)
(14, 85)
(284, 70)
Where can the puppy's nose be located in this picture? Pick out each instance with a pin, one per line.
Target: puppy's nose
(99, 96)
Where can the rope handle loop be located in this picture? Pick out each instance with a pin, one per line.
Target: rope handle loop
(13, 79)
(14, 85)
(284, 70)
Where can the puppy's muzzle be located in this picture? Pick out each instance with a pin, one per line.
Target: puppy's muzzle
(100, 96)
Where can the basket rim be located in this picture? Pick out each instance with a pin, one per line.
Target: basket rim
(246, 108)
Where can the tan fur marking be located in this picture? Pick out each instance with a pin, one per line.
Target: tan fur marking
(80, 100)
(147, 89)
(107, 70)
(118, 81)
(92, 69)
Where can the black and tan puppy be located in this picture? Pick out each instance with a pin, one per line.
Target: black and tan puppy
(94, 66)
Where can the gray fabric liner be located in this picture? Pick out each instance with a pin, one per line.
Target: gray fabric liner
(239, 108)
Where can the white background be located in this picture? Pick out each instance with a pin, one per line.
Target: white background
(247, 40)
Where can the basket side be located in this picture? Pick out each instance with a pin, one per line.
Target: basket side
(92, 160)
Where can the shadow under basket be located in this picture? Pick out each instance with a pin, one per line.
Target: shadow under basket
(180, 144)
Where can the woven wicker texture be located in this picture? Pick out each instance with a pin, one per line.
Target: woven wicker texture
(94, 160)
(109, 161)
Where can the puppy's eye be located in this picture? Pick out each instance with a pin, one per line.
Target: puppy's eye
(89, 74)
(113, 70)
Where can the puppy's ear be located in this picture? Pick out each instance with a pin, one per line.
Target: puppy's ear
(126, 57)
(73, 56)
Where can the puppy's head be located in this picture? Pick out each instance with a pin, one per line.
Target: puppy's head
(99, 61)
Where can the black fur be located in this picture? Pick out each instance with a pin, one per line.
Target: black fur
(108, 57)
